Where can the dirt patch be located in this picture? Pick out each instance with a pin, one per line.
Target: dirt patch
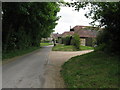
(53, 78)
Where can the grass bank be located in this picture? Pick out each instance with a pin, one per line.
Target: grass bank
(45, 44)
(60, 47)
(14, 53)
(92, 70)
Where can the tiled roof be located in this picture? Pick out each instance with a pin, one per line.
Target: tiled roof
(78, 27)
(67, 33)
(81, 33)
(86, 33)
(56, 35)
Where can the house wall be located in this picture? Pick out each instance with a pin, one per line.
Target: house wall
(82, 41)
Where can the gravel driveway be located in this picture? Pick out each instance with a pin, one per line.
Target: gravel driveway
(56, 59)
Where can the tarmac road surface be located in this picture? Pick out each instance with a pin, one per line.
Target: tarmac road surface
(26, 71)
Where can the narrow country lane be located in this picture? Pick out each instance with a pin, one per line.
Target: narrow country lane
(27, 71)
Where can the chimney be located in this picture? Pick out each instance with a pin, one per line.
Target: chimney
(71, 29)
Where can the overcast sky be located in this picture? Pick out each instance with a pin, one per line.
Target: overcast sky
(70, 17)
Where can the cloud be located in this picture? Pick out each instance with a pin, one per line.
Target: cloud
(70, 17)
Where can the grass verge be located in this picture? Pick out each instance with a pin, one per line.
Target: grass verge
(11, 54)
(45, 44)
(92, 70)
(60, 47)
(15, 53)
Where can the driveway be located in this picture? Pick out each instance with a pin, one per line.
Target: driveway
(26, 71)
(52, 73)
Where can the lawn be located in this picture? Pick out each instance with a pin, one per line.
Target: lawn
(60, 47)
(45, 44)
(92, 70)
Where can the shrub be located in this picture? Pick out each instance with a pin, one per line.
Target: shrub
(104, 42)
(76, 41)
(101, 47)
(66, 40)
(63, 40)
(102, 37)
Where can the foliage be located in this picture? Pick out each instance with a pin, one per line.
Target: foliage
(92, 70)
(62, 40)
(102, 37)
(101, 47)
(14, 53)
(76, 41)
(107, 14)
(25, 23)
(66, 40)
(45, 41)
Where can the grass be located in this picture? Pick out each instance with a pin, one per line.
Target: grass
(92, 70)
(14, 53)
(86, 48)
(11, 54)
(45, 44)
(61, 47)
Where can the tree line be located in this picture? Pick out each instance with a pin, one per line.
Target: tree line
(25, 23)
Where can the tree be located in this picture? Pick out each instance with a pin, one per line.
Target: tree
(76, 41)
(66, 40)
(107, 14)
(25, 23)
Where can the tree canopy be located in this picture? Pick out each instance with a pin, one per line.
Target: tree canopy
(25, 23)
(107, 14)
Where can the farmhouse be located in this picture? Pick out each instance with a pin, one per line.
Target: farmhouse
(87, 34)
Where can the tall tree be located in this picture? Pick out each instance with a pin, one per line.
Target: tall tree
(24, 24)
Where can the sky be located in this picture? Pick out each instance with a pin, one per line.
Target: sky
(70, 17)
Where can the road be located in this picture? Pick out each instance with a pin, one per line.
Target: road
(27, 71)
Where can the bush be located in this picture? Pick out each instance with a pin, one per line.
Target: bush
(105, 42)
(76, 41)
(63, 40)
(101, 47)
(102, 37)
(66, 40)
